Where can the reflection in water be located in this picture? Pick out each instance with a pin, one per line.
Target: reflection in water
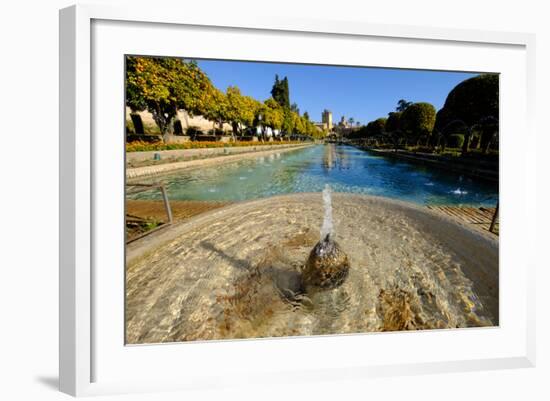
(335, 157)
(329, 157)
(342, 157)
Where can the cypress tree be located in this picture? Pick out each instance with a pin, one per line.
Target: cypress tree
(280, 92)
(285, 93)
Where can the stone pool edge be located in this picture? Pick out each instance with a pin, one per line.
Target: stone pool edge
(144, 246)
(147, 171)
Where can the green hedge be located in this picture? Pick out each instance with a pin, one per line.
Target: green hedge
(140, 146)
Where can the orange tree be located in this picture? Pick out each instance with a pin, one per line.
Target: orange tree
(273, 114)
(240, 109)
(214, 106)
(164, 85)
(298, 124)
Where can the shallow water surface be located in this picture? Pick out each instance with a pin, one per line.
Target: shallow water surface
(235, 273)
(344, 168)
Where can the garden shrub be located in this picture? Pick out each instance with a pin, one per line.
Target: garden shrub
(148, 139)
(142, 146)
(193, 132)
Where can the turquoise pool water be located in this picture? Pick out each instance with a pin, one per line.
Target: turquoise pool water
(344, 168)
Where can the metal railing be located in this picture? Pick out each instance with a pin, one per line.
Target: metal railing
(140, 187)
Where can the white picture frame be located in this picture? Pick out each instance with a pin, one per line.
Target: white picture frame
(84, 356)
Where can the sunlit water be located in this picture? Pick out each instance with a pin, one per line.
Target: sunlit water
(235, 272)
(344, 168)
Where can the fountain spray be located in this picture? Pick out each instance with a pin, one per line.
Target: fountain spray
(327, 227)
(327, 266)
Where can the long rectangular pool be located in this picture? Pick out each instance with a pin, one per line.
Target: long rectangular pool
(344, 168)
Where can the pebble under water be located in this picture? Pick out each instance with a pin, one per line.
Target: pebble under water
(236, 273)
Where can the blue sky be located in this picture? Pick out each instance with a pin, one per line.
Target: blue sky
(362, 93)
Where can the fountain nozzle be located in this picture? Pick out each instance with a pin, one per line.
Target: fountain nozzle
(327, 266)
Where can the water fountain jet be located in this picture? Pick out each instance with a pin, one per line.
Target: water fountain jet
(327, 266)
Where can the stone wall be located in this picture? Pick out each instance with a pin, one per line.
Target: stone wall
(136, 157)
(171, 160)
(187, 121)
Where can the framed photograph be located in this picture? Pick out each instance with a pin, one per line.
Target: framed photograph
(274, 200)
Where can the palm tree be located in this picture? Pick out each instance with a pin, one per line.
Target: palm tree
(351, 121)
(402, 104)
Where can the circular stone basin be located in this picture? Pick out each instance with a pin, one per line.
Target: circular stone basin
(235, 272)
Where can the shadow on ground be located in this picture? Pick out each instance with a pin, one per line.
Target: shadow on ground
(51, 382)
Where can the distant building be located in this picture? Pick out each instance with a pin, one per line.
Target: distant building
(326, 119)
(344, 127)
(344, 123)
(320, 126)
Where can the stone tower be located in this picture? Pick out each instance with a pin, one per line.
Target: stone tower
(326, 118)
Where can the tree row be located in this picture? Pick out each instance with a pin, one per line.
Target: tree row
(163, 86)
(468, 120)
